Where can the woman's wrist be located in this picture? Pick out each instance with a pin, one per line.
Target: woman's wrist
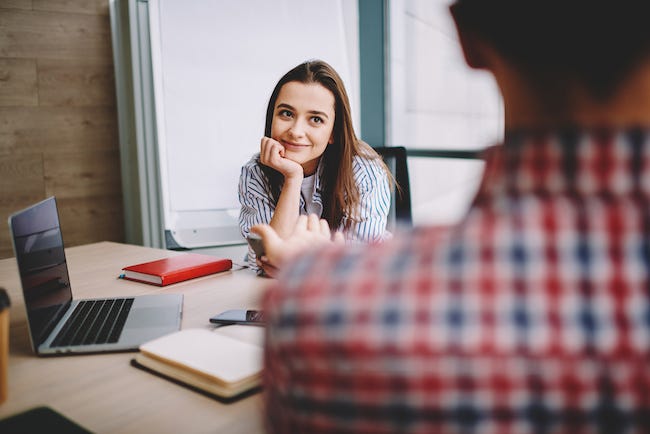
(293, 178)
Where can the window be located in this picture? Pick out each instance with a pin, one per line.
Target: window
(435, 101)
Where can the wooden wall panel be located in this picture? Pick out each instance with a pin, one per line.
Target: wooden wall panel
(92, 174)
(54, 35)
(90, 219)
(18, 82)
(77, 6)
(16, 4)
(23, 179)
(58, 119)
(75, 83)
(57, 129)
(22, 183)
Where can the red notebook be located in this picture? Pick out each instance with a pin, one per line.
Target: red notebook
(176, 269)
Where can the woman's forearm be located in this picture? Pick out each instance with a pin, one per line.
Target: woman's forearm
(287, 209)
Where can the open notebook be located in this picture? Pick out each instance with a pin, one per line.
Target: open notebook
(217, 362)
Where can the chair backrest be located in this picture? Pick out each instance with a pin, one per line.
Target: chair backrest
(395, 159)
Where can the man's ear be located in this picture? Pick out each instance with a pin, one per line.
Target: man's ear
(473, 47)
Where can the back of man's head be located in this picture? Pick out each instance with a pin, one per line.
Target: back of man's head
(594, 42)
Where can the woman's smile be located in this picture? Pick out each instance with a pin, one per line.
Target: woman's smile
(290, 146)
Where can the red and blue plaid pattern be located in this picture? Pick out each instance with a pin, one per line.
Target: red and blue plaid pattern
(531, 316)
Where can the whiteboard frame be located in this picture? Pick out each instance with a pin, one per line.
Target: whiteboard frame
(196, 228)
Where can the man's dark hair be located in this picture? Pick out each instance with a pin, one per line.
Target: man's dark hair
(594, 42)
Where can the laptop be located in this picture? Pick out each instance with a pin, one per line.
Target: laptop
(59, 324)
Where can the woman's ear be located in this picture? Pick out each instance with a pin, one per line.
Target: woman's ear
(331, 140)
(472, 45)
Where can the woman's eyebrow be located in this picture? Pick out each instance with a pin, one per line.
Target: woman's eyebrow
(313, 112)
(284, 105)
(319, 113)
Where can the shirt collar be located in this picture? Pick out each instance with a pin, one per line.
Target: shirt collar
(573, 162)
(319, 177)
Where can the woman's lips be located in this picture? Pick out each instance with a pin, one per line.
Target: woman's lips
(293, 145)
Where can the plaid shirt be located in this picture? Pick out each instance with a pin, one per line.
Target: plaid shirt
(531, 316)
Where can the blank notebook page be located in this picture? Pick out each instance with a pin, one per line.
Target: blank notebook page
(207, 352)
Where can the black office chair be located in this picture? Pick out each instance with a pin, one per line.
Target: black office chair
(400, 210)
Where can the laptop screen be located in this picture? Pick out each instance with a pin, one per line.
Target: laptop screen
(38, 245)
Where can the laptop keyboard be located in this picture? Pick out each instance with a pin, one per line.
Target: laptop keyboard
(94, 322)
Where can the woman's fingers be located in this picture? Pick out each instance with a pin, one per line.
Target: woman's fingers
(270, 151)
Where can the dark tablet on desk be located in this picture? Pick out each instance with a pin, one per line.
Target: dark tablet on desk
(40, 419)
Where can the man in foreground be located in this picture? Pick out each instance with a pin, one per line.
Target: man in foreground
(533, 314)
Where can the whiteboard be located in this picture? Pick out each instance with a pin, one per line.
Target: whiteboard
(215, 63)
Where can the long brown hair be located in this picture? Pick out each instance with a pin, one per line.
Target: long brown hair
(340, 193)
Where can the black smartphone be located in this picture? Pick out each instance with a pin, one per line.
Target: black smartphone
(255, 241)
(239, 316)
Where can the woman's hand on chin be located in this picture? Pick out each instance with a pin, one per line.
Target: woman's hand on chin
(272, 154)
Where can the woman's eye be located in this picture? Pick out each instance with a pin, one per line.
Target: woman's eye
(317, 120)
(286, 113)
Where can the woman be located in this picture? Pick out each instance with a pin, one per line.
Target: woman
(311, 162)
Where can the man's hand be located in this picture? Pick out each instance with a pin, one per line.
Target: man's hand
(310, 232)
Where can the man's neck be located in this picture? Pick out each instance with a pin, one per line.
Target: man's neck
(628, 106)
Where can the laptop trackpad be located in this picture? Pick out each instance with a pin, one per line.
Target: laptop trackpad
(152, 316)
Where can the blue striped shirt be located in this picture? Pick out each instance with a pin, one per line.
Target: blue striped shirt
(257, 206)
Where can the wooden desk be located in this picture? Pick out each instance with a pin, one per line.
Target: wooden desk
(103, 392)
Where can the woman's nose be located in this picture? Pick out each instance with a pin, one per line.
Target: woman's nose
(297, 129)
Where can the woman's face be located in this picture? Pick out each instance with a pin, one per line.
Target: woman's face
(303, 121)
